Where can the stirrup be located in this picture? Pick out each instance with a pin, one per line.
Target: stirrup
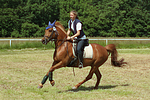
(80, 65)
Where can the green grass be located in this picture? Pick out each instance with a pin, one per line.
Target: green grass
(26, 44)
(121, 44)
(135, 51)
(22, 71)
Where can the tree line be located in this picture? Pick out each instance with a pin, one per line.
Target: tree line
(103, 18)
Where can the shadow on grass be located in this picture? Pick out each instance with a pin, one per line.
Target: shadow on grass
(83, 88)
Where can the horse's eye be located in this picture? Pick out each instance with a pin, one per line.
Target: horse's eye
(50, 30)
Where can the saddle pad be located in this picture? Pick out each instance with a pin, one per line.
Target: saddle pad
(88, 52)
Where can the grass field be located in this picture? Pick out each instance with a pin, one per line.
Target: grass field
(22, 70)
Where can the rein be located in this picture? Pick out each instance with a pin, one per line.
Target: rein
(63, 40)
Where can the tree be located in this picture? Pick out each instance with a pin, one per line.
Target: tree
(105, 18)
(8, 21)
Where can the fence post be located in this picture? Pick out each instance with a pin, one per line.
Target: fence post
(106, 41)
(10, 42)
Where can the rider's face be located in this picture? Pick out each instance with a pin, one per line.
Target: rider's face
(72, 16)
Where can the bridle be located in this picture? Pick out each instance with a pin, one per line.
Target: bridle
(55, 38)
(50, 37)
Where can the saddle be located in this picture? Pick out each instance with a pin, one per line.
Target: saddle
(88, 50)
(87, 53)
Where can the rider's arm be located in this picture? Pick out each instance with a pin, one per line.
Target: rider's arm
(78, 28)
(76, 35)
(68, 32)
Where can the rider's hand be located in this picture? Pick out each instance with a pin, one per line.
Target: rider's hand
(69, 38)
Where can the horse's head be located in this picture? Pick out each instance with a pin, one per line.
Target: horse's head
(50, 33)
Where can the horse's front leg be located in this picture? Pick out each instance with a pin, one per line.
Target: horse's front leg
(50, 74)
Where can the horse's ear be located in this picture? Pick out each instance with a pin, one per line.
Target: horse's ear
(49, 23)
(53, 24)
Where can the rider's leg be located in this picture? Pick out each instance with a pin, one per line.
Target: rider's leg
(80, 57)
(80, 48)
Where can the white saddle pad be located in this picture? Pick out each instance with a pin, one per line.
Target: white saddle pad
(88, 52)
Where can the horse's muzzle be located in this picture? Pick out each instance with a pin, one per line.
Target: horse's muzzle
(44, 41)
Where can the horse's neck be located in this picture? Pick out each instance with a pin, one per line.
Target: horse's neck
(60, 38)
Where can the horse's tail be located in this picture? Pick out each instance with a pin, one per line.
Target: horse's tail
(111, 48)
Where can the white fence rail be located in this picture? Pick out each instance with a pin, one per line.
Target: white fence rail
(10, 40)
(120, 39)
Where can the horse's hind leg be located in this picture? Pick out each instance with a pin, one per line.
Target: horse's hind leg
(86, 79)
(98, 75)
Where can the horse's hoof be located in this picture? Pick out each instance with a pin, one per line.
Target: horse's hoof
(40, 86)
(74, 88)
(52, 82)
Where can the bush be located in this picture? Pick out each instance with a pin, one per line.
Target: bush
(15, 34)
(40, 32)
(28, 30)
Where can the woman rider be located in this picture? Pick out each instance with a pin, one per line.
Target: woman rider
(75, 26)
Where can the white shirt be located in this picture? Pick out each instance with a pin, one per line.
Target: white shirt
(78, 27)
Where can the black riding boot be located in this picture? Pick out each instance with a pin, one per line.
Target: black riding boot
(80, 57)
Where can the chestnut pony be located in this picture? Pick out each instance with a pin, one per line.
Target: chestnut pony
(63, 55)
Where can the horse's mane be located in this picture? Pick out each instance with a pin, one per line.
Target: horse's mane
(59, 25)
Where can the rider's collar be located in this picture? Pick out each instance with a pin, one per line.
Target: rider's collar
(72, 21)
